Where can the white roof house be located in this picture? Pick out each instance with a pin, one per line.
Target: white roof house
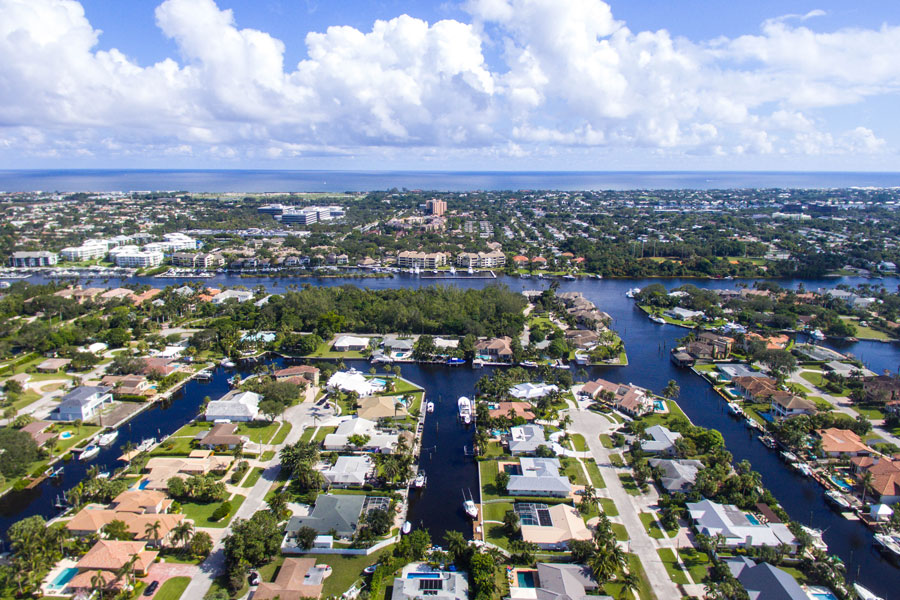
(662, 441)
(540, 477)
(354, 381)
(239, 295)
(529, 391)
(347, 343)
(348, 470)
(711, 518)
(378, 441)
(525, 439)
(234, 406)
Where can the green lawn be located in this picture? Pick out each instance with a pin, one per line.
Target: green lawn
(259, 432)
(322, 432)
(494, 449)
(200, 513)
(495, 511)
(672, 566)
(594, 472)
(267, 456)
(253, 477)
(866, 333)
(644, 592)
(307, 434)
(172, 588)
(578, 442)
(606, 441)
(697, 563)
(324, 351)
(629, 484)
(616, 460)
(282, 433)
(174, 446)
(870, 412)
(60, 446)
(653, 527)
(609, 507)
(620, 531)
(192, 429)
(489, 470)
(345, 570)
(818, 380)
(496, 534)
(572, 469)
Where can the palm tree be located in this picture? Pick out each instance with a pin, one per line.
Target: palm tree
(182, 534)
(456, 544)
(629, 582)
(865, 481)
(98, 584)
(151, 530)
(672, 390)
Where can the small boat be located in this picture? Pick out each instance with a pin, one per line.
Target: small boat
(570, 277)
(789, 457)
(51, 472)
(817, 335)
(816, 536)
(470, 271)
(837, 500)
(632, 292)
(103, 475)
(658, 319)
(90, 452)
(804, 469)
(228, 363)
(107, 438)
(455, 362)
(146, 445)
(465, 409)
(864, 594)
(768, 442)
(750, 423)
(429, 407)
(407, 527)
(735, 410)
(469, 506)
(528, 363)
(420, 480)
(203, 375)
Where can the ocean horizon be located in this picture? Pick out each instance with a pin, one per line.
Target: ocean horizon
(281, 181)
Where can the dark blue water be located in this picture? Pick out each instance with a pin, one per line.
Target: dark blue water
(361, 181)
(647, 344)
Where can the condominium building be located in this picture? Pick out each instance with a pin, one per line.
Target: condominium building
(436, 207)
(481, 260)
(134, 257)
(90, 250)
(32, 259)
(198, 260)
(422, 260)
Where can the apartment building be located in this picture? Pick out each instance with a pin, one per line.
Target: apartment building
(436, 207)
(422, 260)
(133, 257)
(32, 259)
(481, 260)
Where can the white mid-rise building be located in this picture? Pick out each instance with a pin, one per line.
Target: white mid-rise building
(134, 257)
(90, 250)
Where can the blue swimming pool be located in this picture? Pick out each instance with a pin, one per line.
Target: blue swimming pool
(659, 405)
(840, 483)
(423, 576)
(60, 582)
(526, 579)
(753, 520)
(824, 596)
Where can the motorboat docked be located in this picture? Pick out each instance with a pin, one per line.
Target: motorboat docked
(789, 457)
(51, 472)
(107, 438)
(658, 319)
(817, 335)
(803, 469)
(889, 544)
(228, 363)
(469, 506)
(768, 442)
(837, 500)
(735, 410)
(570, 277)
(146, 445)
(204, 375)
(477, 363)
(90, 452)
(420, 480)
(751, 423)
(407, 527)
(864, 594)
(455, 362)
(632, 292)
(528, 363)
(816, 536)
(429, 407)
(464, 406)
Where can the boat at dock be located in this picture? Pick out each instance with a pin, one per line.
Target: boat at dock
(803, 468)
(107, 438)
(735, 410)
(632, 292)
(864, 594)
(465, 409)
(429, 407)
(888, 544)
(837, 500)
(51, 472)
(789, 457)
(528, 363)
(89, 452)
(228, 363)
(204, 375)
(658, 319)
(421, 480)
(146, 445)
(407, 527)
(455, 362)
(816, 536)
(768, 442)
(469, 506)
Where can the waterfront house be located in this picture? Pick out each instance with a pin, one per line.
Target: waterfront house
(350, 343)
(836, 442)
(732, 371)
(311, 374)
(397, 347)
(495, 348)
(159, 366)
(772, 342)
(91, 521)
(582, 339)
(107, 558)
(236, 295)
(683, 314)
(236, 405)
(677, 475)
(373, 408)
(160, 469)
(539, 477)
(721, 345)
(555, 581)
(662, 441)
(737, 527)
(885, 484)
(419, 580)
(525, 439)
(221, 435)
(551, 527)
(298, 578)
(128, 385)
(532, 391)
(354, 381)
(375, 439)
(349, 471)
(630, 399)
(785, 405)
(765, 582)
(755, 387)
(337, 512)
(521, 409)
(38, 432)
(82, 403)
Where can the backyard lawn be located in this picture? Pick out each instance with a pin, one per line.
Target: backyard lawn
(201, 513)
(697, 563)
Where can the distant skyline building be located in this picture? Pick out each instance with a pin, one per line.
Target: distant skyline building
(436, 207)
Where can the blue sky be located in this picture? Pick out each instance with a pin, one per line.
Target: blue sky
(476, 84)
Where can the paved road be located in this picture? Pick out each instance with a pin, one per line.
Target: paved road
(299, 416)
(591, 425)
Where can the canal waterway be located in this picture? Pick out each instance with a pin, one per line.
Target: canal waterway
(438, 507)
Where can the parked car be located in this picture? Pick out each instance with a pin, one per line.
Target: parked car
(253, 579)
(151, 588)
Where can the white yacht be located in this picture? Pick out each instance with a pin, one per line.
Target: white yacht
(420, 480)
(631, 293)
(89, 452)
(816, 535)
(429, 407)
(108, 438)
(864, 594)
(658, 319)
(817, 335)
(407, 527)
(469, 506)
(838, 500)
(889, 544)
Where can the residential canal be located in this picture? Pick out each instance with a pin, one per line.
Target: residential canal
(438, 507)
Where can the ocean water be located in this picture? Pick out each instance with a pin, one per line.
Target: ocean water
(360, 181)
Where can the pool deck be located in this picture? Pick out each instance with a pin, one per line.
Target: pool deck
(61, 566)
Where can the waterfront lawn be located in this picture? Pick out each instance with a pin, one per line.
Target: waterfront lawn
(253, 477)
(495, 511)
(201, 513)
(496, 534)
(346, 570)
(259, 432)
(324, 351)
(174, 446)
(697, 563)
(866, 333)
(401, 386)
(609, 507)
(282, 433)
(79, 434)
(672, 567)
(644, 591)
(578, 442)
(173, 588)
(494, 449)
(594, 473)
(572, 469)
(192, 429)
(664, 419)
(606, 441)
(489, 470)
(629, 484)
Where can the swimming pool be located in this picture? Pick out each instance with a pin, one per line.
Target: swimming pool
(423, 576)
(60, 582)
(820, 593)
(659, 405)
(526, 579)
(840, 483)
(65, 435)
(512, 469)
(753, 520)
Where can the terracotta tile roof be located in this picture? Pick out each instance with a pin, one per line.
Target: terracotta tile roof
(113, 554)
(841, 441)
(292, 582)
(522, 409)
